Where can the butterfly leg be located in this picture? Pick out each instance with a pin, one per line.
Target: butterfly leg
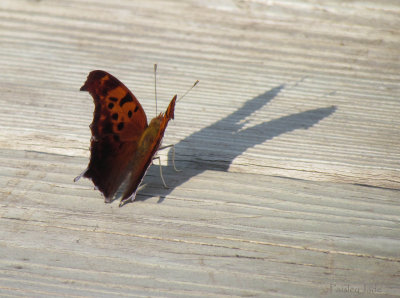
(162, 178)
(131, 198)
(173, 155)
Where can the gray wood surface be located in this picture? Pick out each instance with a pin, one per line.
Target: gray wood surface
(289, 149)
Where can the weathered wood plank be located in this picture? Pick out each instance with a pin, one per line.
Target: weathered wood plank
(289, 149)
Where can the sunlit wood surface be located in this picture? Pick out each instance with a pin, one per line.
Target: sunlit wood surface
(289, 149)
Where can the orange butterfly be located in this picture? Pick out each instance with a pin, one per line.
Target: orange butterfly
(122, 142)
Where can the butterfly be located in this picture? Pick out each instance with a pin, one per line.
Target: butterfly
(122, 141)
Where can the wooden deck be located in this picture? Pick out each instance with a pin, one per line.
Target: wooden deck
(289, 146)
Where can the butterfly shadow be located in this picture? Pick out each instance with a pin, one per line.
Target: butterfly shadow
(216, 146)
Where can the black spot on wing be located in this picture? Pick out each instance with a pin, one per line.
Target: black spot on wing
(115, 116)
(120, 125)
(137, 108)
(130, 114)
(114, 99)
(127, 98)
(110, 105)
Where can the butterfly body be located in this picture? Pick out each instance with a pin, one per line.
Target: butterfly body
(122, 142)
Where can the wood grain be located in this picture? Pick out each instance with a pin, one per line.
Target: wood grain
(289, 148)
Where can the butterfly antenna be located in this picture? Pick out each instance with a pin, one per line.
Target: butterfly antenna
(194, 85)
(155, 84)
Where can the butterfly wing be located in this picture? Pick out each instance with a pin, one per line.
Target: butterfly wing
(147, 148)
(118, 123)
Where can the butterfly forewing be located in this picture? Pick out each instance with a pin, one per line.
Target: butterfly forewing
(118, 123)
(117, 111)
(147, 148)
